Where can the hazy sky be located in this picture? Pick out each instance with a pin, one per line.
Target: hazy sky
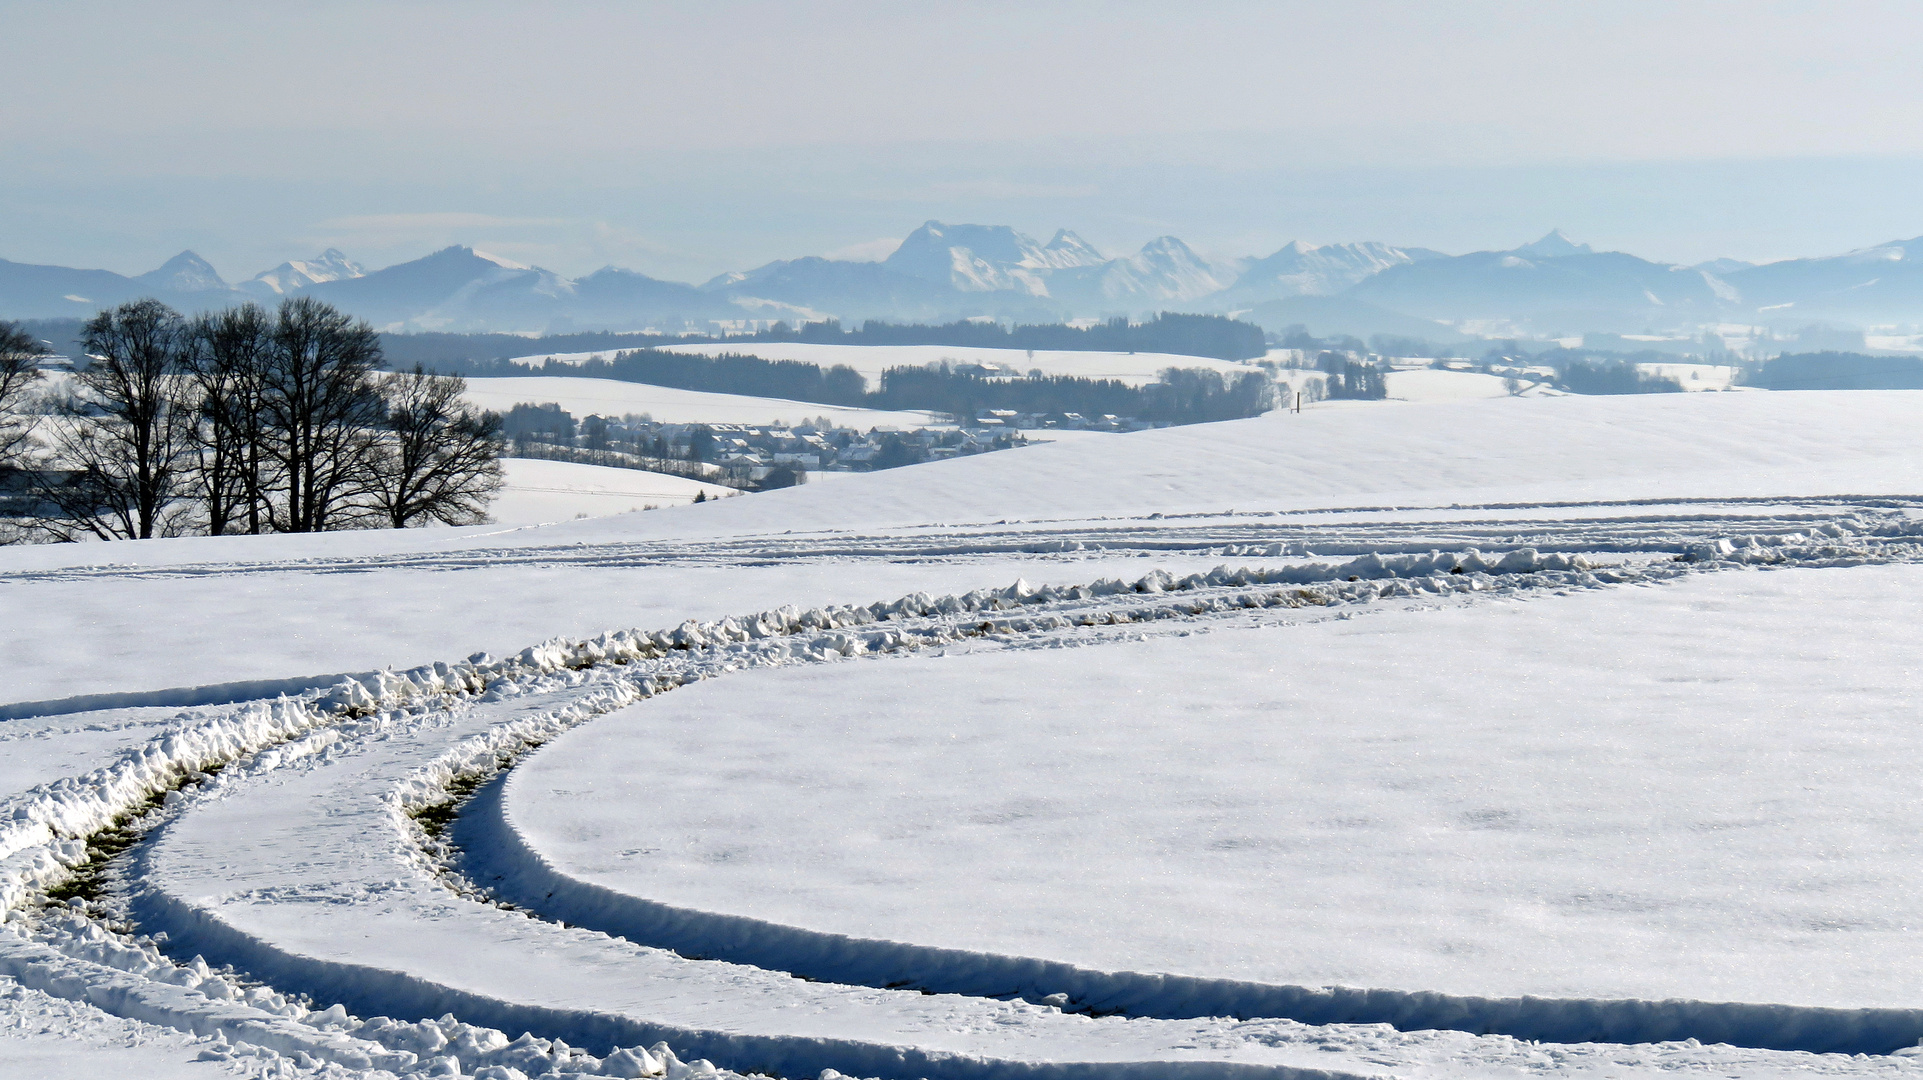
(686, 139)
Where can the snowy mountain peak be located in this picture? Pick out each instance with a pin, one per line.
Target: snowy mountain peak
(184, 273)
(1168, 247)
(972, 258)
(1722, 266)
(1894, 251)
(1553, 246)
(1067, 249)
(1165, 269)
(505, 264)
(1299, 269)
(294, 275)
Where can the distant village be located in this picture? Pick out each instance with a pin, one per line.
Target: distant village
(761, 457)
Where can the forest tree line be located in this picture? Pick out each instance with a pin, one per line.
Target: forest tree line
(238, 421)
(1214, 336)
(1182, 396)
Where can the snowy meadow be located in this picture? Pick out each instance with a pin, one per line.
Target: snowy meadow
(1456, 737)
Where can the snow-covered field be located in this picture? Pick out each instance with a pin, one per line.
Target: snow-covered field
(1694, 376)
(614, 398)
(1431, 386)
(871, 360)
(1223, 805)
(1514, 737)
(534, 492)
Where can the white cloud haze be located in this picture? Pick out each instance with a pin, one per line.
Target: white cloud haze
(685, 139)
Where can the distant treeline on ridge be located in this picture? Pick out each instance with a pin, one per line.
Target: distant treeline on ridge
(1183, 396)
(796, 380)
(1213, 336)
(1840, 371)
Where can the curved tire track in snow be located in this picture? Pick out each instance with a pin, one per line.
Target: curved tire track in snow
(496, 856)
(370, 871)
(1224, 592)
(355, 922)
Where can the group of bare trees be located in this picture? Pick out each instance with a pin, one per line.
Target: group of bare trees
(241, 421)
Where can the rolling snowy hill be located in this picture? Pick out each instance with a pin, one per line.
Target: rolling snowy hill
(1530, 737)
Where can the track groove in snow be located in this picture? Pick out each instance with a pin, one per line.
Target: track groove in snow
(206, 924)
(495, 855)
(1354, 531)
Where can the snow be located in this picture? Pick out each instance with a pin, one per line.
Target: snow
(313, 620)
(222, 875)
(614, 398)
(1649, 743)
(1135, 369)
(41, 750)
(1694, 377)
(82, 617)
(370, 930)
(535, 491)
(1586, 796)
(1429, 386)
(1424, 386)
(49, 1038)
(1563, 449)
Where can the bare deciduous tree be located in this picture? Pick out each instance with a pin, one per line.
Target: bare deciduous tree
(321, 408)
(228, 361)
(119, 448)
(438, 458)
(245, 421)
(19, 371)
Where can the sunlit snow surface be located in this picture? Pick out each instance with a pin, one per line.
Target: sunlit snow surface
(871, 360)
(612, 397)
(534, 492)
(1653, 741)
(1705, 790)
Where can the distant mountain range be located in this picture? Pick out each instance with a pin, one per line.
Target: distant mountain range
(1552, 287)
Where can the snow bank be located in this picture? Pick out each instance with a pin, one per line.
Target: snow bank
(503, 684)
(497, 854)
(43, 831)
(137, 982)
